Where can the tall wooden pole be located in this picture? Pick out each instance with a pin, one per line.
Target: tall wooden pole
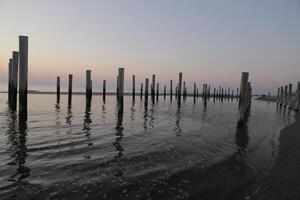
(70, 90)
(157, 91)
(141, 92)
(133, 87)
(88, 88)
(121, 88)
(104, 91)
(171, 90)
(23, 76)
(15, 70)
(179, 89)
(58, 89)
(290, 96)
(146, 91)
(10, 82)
(243, 97)
(165, 90)
(153, 88)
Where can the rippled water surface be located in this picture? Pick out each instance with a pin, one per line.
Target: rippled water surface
(78, 152)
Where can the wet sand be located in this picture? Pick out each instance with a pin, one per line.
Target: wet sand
(283, 182)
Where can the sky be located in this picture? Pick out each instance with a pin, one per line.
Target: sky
(210, 41)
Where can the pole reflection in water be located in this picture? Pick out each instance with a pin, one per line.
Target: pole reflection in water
(103, 112)
(57, 111)
(119, 133)
(151, 115)
(86, 126)
(241, 135)
(145, 118)
(178, 128)
(69, 115)
(132, 111)
(18, 142)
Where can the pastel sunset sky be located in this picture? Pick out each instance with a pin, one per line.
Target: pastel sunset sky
(210, 41)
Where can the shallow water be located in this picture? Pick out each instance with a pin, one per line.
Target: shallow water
(61, 150)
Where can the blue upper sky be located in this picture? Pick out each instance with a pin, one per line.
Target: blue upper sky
(210, 41)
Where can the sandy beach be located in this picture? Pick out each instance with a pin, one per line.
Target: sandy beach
(283, 182)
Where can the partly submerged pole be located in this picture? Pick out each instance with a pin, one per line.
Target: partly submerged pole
(58, 89)
(165, 90)
(23, 76)
(104, 91)
(278, 95)
(243, 97)
(70, 90)
(179, 89)
(146, 91)
(10, 82)
(157, 91)
(121, 89)
(195, 90)
(15, 70)
(88, 87)
(285, 95)
(290, 102)
(141, 92)
(153, 88)
(171, 90)
(133, 87)
(297, 106)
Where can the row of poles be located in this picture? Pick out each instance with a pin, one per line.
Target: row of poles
(18, 78)
(18, 75)
(286, 97)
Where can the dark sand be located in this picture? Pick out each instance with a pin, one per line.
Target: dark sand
(283, 182)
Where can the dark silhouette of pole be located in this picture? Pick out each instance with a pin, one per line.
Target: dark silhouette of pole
(133, 87)
(171, 90)
(179, 89)
(121, 89)
(23, 77)
(146, 91)
(70, 90)
(141, 92)
(15, 70)
(104, 91)
(58, 89)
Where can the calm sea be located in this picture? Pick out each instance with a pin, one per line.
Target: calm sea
(160, 152)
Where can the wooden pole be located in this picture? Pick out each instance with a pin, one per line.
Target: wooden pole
(133, 87)
(205, 91)
(23, 77)
(146, 91)
(121, 88)
(88, 87)
(15, 70)
(141, 92)
(214, 95)
(70, 90)
(153, 88)
(104, 91)
(269, 97)
(179, 89)
(10, 82)
(243, 97)
(117, 89)
(157, 91)
(297, 107)
(171, 90)
(195, 91)
(278, 96)
(281, 96)
(290, 96)
(285, 95)
(58, 89)
(165, 90)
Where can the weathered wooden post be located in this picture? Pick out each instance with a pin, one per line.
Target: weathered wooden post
(10, 82)
(141, 92)
(146, 91)
(57, 89)
(290, 102)
(104, 91)
(278, 95)
(23, 76)
(157, 91)
(243, 98)
(117, 89)
(88, 87)
(133, 87)
(269, 97)
(171, 90)
(121, 89)
(214, 95)
(70, 90)
(165, 90)
(195, 88)
(153, 88)
(297, 106)
(285, 95)
(15, 70)
(179, 89)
